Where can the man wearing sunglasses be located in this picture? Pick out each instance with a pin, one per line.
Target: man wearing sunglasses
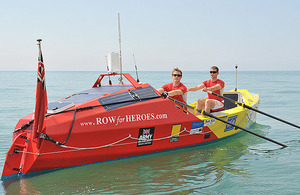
(175, 89)
(212, 103)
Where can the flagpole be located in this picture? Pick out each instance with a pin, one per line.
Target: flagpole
(41, 103)
(40, 50)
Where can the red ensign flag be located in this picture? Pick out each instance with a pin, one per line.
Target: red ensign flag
(41, 103)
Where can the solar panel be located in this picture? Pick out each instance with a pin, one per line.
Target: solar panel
(93, 93)
(126, 98)
(55, 107)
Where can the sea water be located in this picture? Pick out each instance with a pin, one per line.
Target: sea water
(243, 164)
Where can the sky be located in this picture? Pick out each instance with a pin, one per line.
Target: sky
(257, 35)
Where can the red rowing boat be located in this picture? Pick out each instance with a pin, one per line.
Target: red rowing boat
(110, 122)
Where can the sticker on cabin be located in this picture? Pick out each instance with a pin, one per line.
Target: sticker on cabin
(232, 120)
(145, 136)
(210, 121)
(197, 127)
(175, 133)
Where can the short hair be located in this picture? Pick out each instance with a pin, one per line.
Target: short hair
(177, 69)
(214, 67)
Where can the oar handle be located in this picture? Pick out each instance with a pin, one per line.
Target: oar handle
(226, 122)
(251, 108)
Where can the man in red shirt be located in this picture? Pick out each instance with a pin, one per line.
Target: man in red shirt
(212, 103)
(176, 89)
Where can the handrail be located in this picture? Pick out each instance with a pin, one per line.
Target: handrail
(126, 75)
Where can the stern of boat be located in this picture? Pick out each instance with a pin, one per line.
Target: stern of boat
(232, 113)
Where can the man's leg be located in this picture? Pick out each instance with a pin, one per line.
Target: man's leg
(209, 104)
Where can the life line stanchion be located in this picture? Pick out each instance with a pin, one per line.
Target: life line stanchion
(249, 107)
(226, 122)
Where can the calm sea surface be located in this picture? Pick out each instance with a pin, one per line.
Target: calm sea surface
(243, 164)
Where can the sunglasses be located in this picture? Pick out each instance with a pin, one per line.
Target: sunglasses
(177, 75)
(214, 72)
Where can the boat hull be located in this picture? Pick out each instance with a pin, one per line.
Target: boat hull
(100, 134)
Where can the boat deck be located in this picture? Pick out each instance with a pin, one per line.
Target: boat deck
(89, 94)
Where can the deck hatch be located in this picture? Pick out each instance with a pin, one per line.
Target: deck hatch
(228, 104)
(133, 96)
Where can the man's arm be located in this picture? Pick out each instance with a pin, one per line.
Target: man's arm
(175, 92)
(197, 87)
(214, 88)
(160, 90)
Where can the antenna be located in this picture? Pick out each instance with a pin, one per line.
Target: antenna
(108, 70)
(236, 66)
(119, 27)
(137, 76)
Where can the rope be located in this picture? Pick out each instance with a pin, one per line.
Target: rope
(98, 147)
(46, 137)
(118, 143)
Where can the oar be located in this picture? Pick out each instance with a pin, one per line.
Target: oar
(251, 108)
(226, 122)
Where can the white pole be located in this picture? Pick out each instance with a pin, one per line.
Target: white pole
(119, 27)
(236, 66)
(137, 76)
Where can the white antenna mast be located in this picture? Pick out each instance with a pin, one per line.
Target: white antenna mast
(236, 67)
(119, 27)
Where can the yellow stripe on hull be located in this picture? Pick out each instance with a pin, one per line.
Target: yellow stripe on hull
(238, 115)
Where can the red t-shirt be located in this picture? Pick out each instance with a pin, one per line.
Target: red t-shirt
(170, 87)
(209, 84)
